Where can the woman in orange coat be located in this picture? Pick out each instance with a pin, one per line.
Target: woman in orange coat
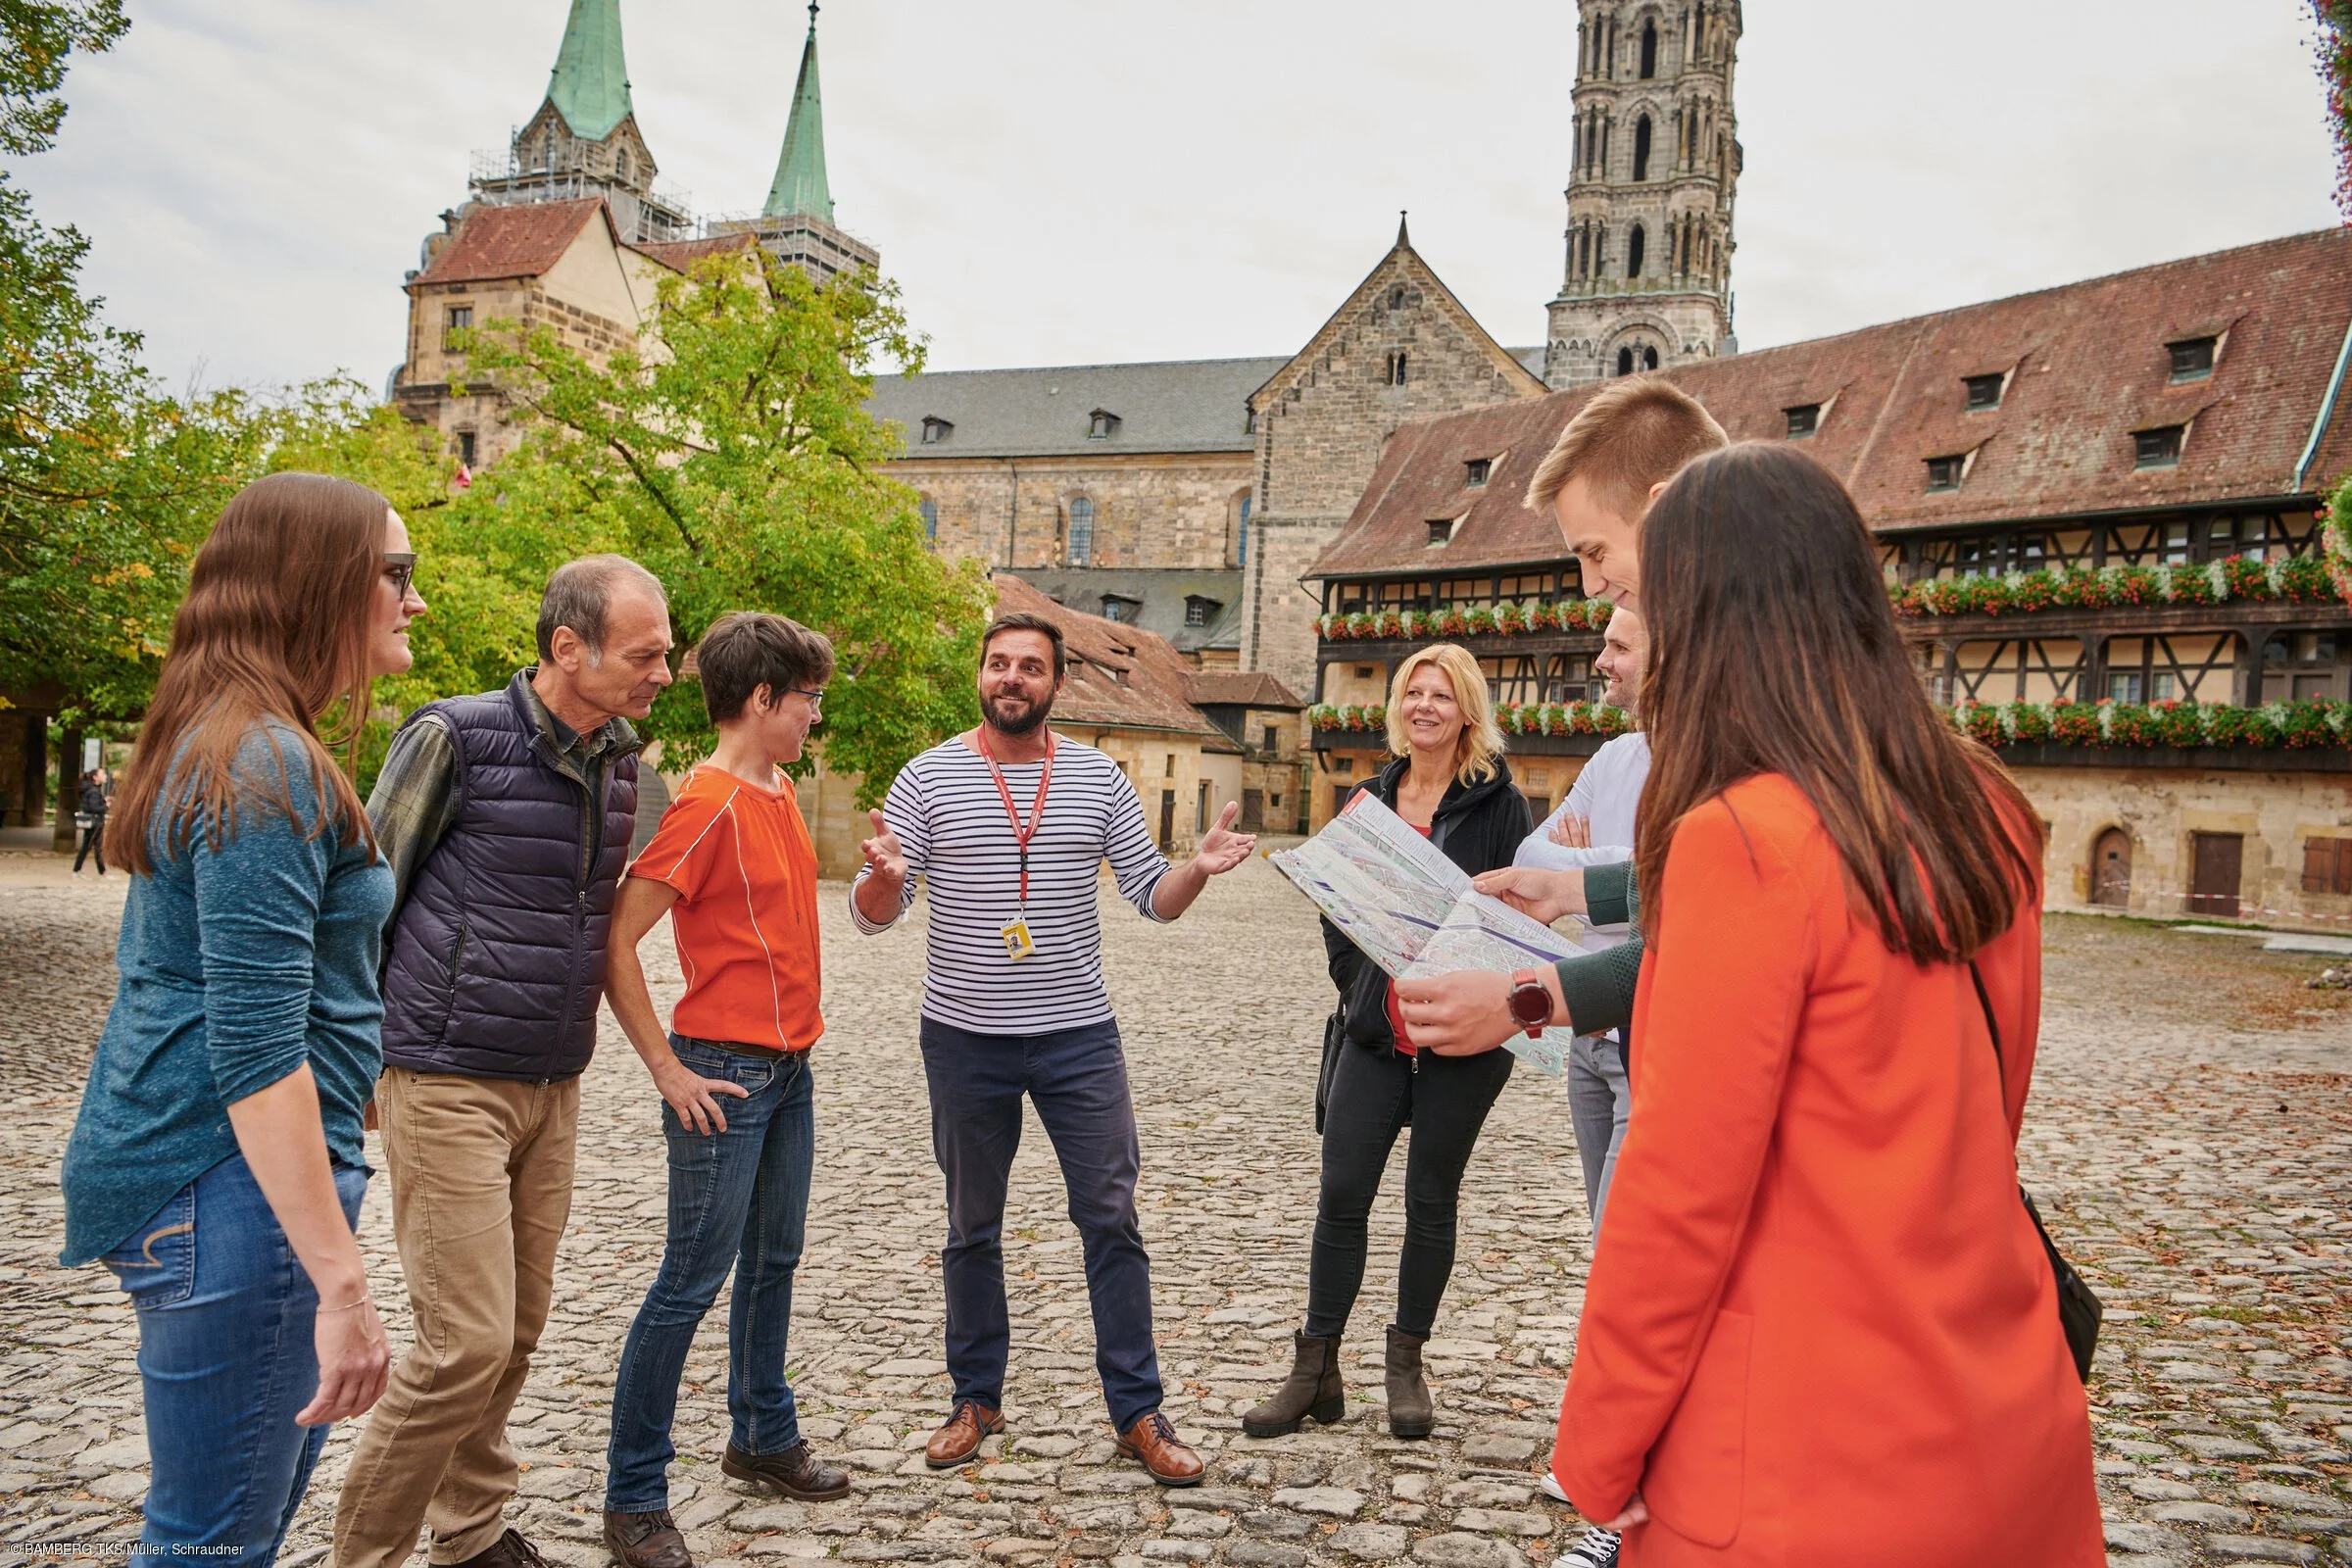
(1819, 1328)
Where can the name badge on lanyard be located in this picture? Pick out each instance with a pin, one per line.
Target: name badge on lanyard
(1018, 943)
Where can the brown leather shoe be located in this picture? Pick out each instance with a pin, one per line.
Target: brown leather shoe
(956, 1443)
(796, 1472)
(1154, 1443)
(510, 1550)
(647, 1539)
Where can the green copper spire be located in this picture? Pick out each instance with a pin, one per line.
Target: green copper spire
(799, 188)
(589, 85)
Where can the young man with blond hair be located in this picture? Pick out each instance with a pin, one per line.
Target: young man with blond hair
(1619, 452)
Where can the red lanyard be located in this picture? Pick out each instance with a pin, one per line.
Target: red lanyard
(1037, 813)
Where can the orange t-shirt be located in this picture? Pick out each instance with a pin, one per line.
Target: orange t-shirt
(746, 917)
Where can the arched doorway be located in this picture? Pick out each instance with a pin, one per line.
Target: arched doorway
(2110, 870)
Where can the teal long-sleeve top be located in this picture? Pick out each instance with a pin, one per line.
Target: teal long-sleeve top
(238, 964)
(1598, 987)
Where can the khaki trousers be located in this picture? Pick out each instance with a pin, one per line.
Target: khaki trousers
(481, 1187)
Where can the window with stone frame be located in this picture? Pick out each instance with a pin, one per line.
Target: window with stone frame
(929, 509)
(466, 448)
(1636, 247)
(1641, 140)
(1081, 541)
(455, 318)
(1649, 50)
(1396, 369)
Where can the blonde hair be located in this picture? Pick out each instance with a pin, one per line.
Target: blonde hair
(1480, 748)
(1630, 435)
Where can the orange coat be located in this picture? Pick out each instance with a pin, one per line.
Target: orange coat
(1820, 1330)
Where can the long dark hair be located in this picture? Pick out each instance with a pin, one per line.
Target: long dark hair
(276, 624)
(1773, 650)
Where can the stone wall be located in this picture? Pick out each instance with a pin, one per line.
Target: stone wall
(1151, 509)
(1321, 424)
(2164, 808)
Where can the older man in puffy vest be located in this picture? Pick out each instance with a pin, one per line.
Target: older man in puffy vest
(507, 818)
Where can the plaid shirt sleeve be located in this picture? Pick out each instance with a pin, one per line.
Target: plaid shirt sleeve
(416, 800)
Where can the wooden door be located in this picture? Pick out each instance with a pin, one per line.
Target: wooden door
(1254, 810)
(1168, 819)
(2214, 877)
(2110, 870)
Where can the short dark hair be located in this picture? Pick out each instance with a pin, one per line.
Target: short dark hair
(747, 650)
(1025, 620)
(579, 592)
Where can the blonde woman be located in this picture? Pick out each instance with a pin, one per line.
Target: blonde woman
(1450, 781)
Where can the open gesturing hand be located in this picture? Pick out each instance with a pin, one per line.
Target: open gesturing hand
(1222, 849)
(884, 856)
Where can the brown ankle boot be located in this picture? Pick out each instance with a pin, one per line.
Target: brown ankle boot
(1313, 1391)
(1411, 1410)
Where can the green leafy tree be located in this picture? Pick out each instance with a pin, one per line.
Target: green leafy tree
(731, 453)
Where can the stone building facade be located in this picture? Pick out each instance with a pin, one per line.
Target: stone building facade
(1401, 347)
(2098, 510)
(1654, 164)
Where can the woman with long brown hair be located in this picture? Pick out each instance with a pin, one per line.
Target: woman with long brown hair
(216, 1164)
(1820, 1325)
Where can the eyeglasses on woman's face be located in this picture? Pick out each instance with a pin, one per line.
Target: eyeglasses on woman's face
(400, 570)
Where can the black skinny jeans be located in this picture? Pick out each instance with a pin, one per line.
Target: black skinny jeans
(1371, 1092)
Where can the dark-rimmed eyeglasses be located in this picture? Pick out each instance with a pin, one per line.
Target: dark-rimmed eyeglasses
(816, 700)
(400, 566)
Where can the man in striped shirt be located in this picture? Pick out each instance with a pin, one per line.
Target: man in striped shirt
(1012, 824)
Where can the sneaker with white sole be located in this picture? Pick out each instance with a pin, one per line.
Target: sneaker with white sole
(1551, 1489)
(1595, 1549)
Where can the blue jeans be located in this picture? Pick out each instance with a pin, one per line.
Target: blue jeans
(738, 1202)
(1077, 1078)
(226, 1360)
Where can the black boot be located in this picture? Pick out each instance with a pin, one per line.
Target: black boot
(1311, 1390)
(1412, 1411)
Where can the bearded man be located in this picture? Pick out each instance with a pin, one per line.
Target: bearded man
(1012, 824)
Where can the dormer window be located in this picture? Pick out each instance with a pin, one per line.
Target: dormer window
(1119, 608)
(1441, 529)
(1198, 610)
(1985, 391)
(1803, 421)
(1945, 473)
(2192, 359)
(2159, 448)
(935, 429)
(1475, 471)
(1101, 425)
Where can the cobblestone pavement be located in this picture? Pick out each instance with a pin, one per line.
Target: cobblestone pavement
(2190, 1131)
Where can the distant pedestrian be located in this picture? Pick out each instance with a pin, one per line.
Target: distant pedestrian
(733, 867)
(91, 816)
(1012, 824)
(1821, 1326)
(1450, 783)
(507, 817)
(216, 1166)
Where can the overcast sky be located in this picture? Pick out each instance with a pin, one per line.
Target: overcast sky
(1081, 180)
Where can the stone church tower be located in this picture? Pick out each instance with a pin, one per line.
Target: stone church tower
(1654, 164)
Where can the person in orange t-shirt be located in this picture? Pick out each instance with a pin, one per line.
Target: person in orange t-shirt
(733, 867)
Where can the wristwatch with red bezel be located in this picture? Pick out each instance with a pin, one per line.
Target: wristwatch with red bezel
(1531, 1003)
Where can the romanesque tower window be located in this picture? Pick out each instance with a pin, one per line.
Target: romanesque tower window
(1649, 50)
(1642, 148)
(1082, 533)
(1396, 369)
(1637, 246)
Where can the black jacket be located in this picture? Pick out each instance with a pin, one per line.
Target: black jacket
(1479, 828)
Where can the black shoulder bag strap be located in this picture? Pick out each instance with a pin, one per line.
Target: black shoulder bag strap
(2079, 1308)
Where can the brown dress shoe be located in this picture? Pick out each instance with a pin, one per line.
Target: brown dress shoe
(1153, 1442)
(956, 1443)
(647, 1539)
(510, 1550)
(796, 1472)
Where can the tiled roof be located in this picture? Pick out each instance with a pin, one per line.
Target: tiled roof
(1120, 676)
(499, 242)
(1160, 597)
(1176, 406)
(2089, 367)
(1239, 688)
(681, 253)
